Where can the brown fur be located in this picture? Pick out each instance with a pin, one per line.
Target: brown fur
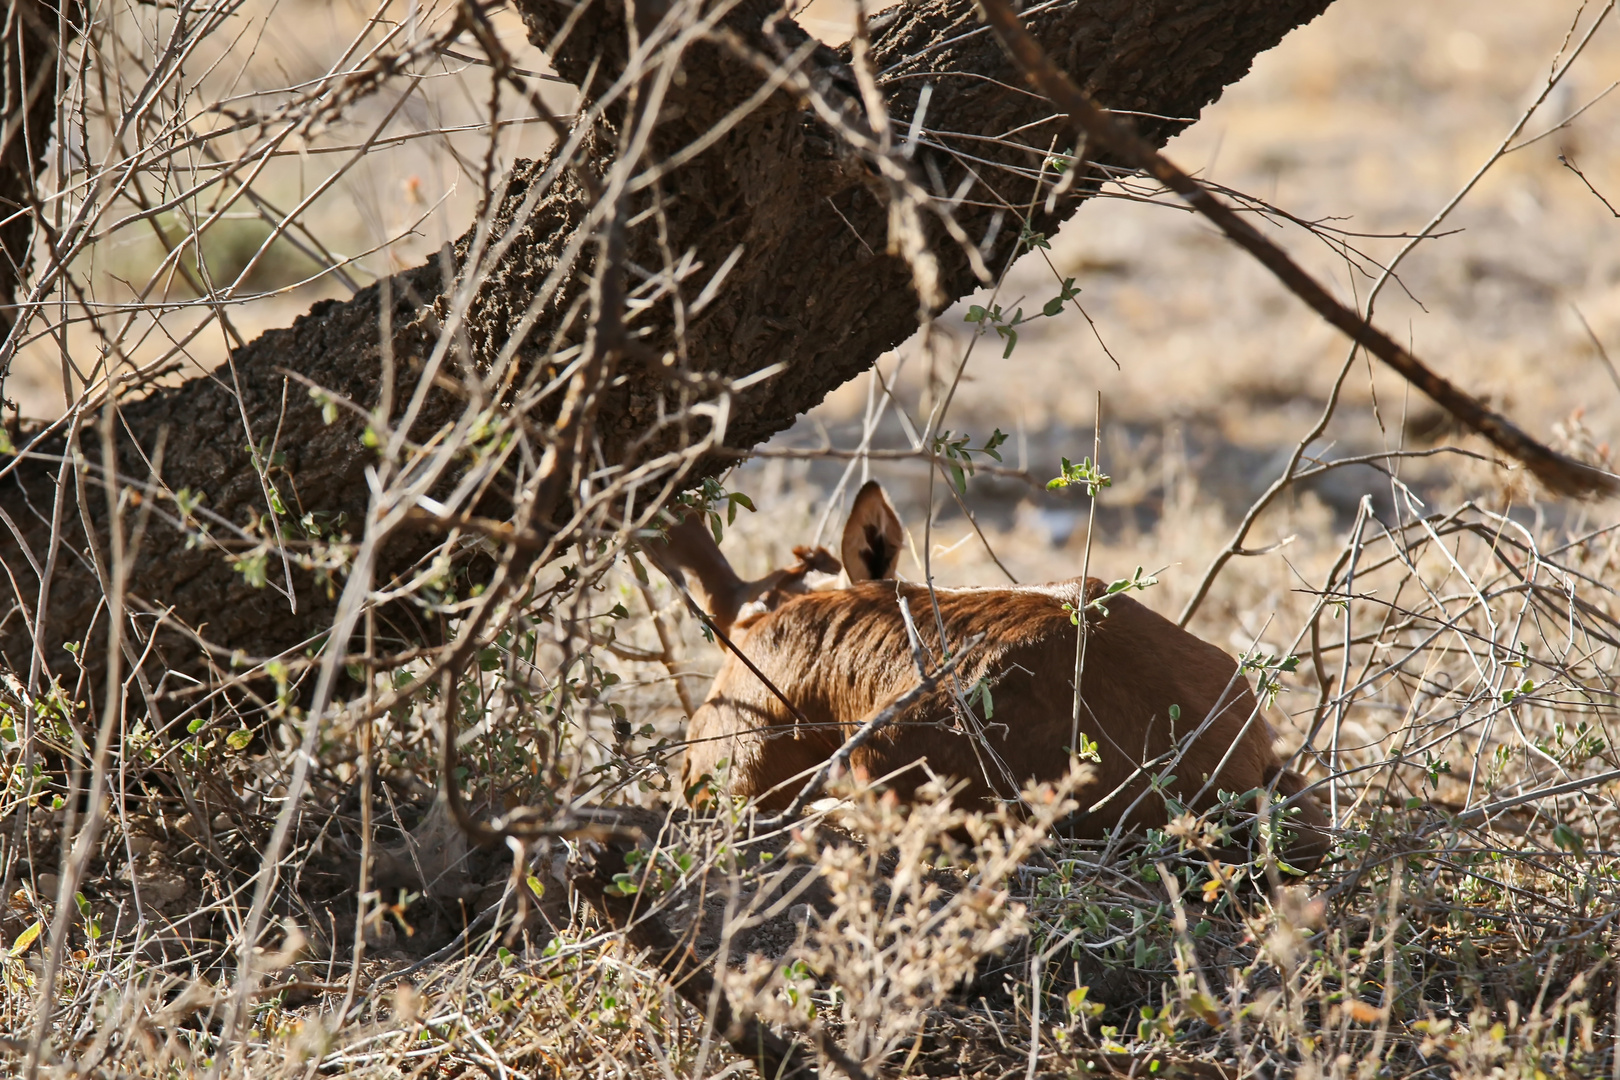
(689, 549)
(838, 655)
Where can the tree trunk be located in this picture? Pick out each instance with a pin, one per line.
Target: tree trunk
(34, 41)
(813, 289)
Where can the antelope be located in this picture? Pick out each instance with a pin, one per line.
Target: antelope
(1159, 706)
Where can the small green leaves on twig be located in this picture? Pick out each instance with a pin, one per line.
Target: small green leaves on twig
(1079, 1006)
(1007, 325)
(713, 500)
(1528, 686)
(1267, 669)
(653, 872)
(1083, 473)
(1054, 307)
(253, 565)
(1137, 582)
(958, 454)
(187, 501)
(1003, 324)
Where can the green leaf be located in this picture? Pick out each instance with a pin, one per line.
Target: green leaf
(1085, 473)
(254, 566)
(1568, 839)
(239, 739)
(1012, 341)
(986, 705)
(25, 939)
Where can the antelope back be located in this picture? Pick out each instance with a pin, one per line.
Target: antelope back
(1152, 696)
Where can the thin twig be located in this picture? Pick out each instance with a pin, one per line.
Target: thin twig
(880, 717)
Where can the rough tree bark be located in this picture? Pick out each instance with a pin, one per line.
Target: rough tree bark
(813, 289)
(30, 65)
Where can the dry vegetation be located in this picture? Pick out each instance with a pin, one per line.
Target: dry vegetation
(273, 887)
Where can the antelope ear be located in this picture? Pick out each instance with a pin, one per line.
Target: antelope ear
(872, 536)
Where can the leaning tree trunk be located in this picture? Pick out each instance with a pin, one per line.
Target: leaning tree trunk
(814, 289)
(33, 47)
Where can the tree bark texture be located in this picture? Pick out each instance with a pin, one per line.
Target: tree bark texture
(34, 42)
(814, 289)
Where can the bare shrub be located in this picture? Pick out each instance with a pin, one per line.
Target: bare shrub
(900, 932)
